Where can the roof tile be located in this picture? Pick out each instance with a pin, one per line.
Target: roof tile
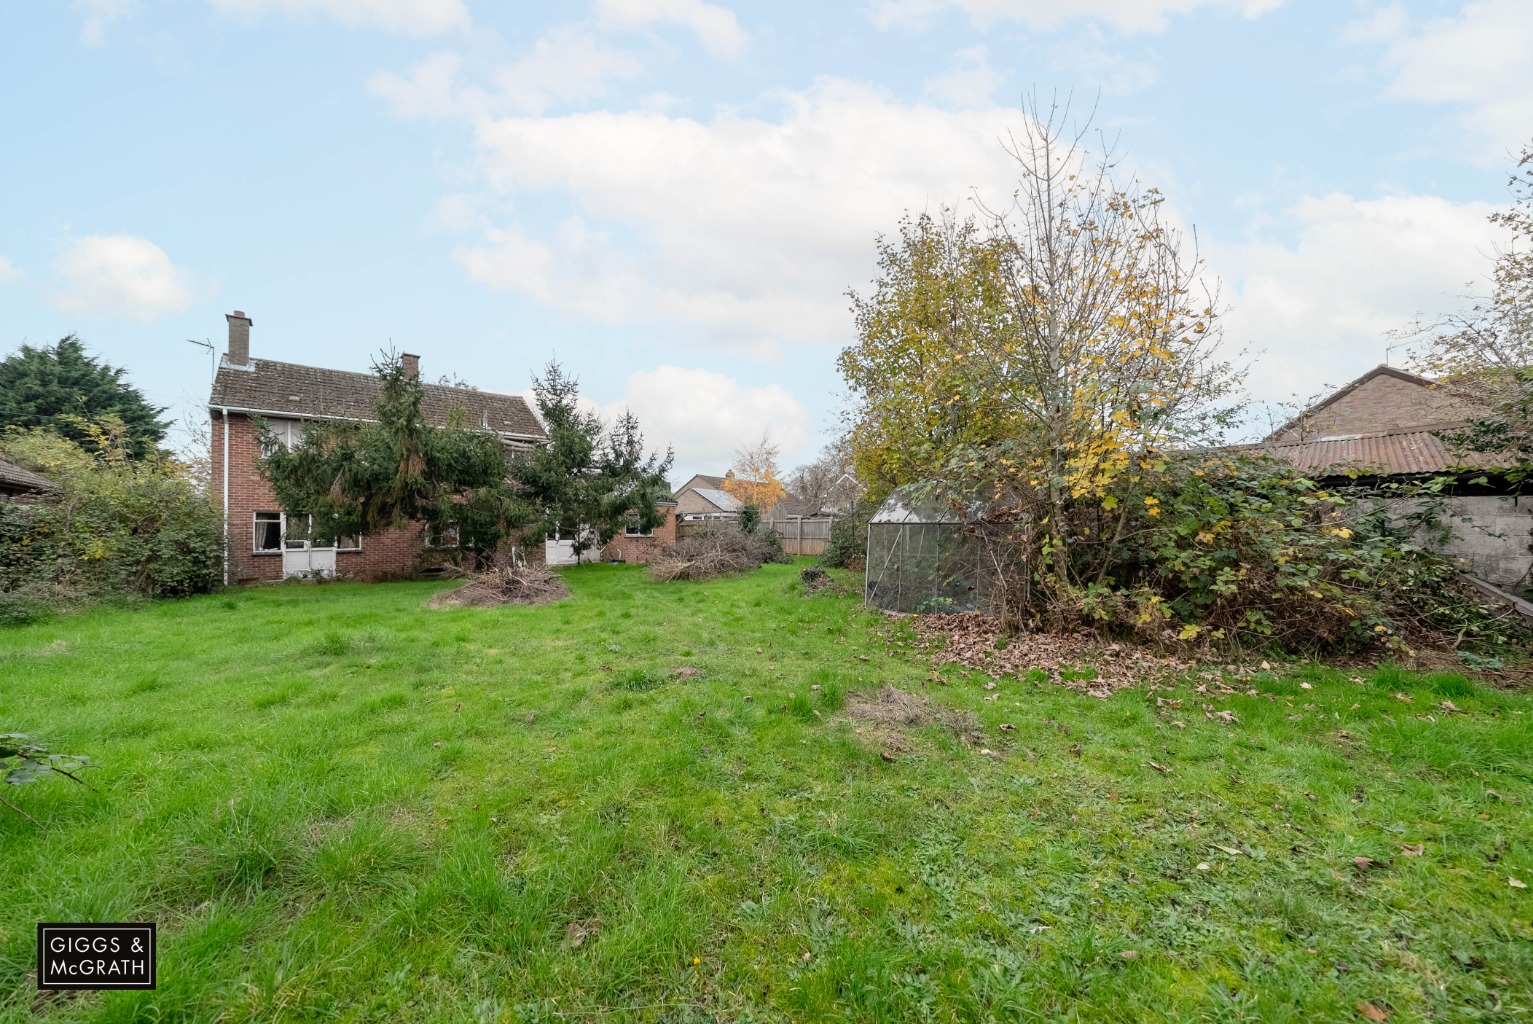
(288, 389)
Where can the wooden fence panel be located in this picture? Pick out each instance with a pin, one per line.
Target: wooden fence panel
(802, 536)
(798, 536)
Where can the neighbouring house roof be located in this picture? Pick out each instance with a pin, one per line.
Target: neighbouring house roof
(702, 480)
(15, 480)
(1391, 453)
(310, 392)
(722, 500)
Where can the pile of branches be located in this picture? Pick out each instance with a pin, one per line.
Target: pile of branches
(817, 581)
(709, 554)
(505, 583)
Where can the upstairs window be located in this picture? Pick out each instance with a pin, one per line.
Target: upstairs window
(283, 432)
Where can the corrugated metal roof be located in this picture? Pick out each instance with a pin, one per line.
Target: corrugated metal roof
(13, 477)
(288, 389)
(1388, 454)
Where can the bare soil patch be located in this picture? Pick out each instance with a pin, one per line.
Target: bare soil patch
(884, 718)
(500, 585)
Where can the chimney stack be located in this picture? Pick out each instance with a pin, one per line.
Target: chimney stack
(239, 338)
(411, 364)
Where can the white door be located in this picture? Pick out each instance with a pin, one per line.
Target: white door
(300, 556)
(557, 551)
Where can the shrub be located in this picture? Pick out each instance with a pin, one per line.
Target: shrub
(718, 551)
(1234, 549)
(117, 528)
(847, 547)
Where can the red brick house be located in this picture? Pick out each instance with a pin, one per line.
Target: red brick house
(258, 544)
(638, 545)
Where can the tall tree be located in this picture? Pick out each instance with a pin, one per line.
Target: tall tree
(1043, 360)
(63, 388)
(588, 480)
(814, 483)
(1488, 348)
(757, 480)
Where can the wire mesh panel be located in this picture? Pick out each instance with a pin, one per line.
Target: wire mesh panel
(926, 568)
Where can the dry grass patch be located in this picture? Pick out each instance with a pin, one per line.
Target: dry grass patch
(885, 717)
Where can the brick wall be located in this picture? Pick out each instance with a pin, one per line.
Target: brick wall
(391, 554)
(1379, 404)
(642, 549)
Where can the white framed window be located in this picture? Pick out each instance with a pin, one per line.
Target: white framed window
(633, 529)
(445, 538)
(273, 532)
(284, 432)
(267, 533)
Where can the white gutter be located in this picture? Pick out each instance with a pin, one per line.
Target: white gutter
(293, 414)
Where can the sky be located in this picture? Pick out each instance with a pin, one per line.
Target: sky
(673, 197)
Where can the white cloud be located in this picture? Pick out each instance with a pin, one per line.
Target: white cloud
(715, 27)
(9, 272)
(707, 415)
(971, 84)
(98, 15)
(1478, 59)
(1321, 307)
(747, 231)
(568, 65)
(404, 17)
(1123, 15)
(429, 90)
(120, 277)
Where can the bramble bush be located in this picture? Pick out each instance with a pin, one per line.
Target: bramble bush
(116, 528)
(1236, 549)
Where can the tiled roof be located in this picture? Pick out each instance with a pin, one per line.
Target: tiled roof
(13, 477)
(310, 392)
(702, 480)
(1387, 454)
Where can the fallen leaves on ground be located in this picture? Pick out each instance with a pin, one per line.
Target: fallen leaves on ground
(971, 639)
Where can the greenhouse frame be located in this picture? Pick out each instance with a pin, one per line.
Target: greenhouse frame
(924, 557)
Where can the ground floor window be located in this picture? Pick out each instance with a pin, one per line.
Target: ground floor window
(446, 537)
(273, 531)
(633, 529)
(268, 532)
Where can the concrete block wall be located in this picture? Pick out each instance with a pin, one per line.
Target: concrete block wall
(1492, 535)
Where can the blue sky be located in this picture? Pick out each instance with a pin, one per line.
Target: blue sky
(673, 196)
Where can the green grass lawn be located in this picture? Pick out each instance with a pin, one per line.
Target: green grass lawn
(339, 805)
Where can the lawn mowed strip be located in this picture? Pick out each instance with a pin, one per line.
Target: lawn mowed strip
(647, 802)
